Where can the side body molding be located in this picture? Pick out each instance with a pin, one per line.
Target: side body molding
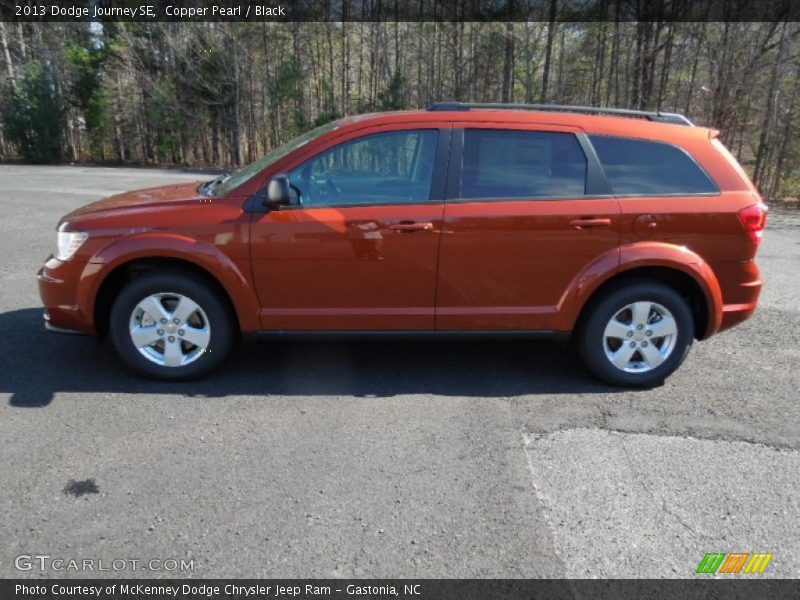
(202, 254)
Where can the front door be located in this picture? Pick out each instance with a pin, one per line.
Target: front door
(526, 212)
(360, 251)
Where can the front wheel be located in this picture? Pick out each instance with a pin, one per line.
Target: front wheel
(168, 325)
(637, 334)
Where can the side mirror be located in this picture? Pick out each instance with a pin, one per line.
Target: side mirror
(280, 192)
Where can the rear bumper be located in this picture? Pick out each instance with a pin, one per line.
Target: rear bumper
(733, 314)
(740, 292)
(58, 285)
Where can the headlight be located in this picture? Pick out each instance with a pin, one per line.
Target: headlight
(68, 243)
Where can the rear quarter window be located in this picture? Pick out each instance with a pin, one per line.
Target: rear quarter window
(647, 168)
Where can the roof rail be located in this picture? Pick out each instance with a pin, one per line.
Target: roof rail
(662, 117)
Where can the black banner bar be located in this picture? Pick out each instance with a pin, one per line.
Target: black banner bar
(749, 588)
(397, 10)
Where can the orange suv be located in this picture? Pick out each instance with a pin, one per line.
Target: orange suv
(632, 232)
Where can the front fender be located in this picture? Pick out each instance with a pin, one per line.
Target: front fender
(171, 245)
(641, 255)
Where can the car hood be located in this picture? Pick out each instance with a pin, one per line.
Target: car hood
(142, 199)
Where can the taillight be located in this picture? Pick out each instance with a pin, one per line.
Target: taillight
(754, 220)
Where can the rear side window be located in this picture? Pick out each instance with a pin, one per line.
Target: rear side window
(499, 164)
(645, 168)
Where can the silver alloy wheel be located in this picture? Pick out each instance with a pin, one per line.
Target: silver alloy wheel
(640, 337)
(170, 329)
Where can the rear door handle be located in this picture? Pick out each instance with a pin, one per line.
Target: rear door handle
(588, 223)
(409, 227)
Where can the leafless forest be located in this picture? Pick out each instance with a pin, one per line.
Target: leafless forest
(224, 93)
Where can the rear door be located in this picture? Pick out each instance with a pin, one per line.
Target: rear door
(527, 210)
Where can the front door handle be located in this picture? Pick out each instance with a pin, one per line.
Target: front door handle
(410, 227)
(588, 223)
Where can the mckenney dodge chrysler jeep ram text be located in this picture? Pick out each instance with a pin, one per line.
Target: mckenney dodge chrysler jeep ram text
(633, 232)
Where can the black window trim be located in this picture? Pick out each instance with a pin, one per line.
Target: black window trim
(694, 161)
(597, 186)
(438, 180)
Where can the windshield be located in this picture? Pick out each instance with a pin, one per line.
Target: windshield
(230, 182)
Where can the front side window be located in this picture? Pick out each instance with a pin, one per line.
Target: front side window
(501, 164)
(645, 168)
(383, 168)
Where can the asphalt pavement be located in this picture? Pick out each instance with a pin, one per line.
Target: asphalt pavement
(385, 458)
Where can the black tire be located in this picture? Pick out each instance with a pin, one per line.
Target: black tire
(591, 339)
(220, 321)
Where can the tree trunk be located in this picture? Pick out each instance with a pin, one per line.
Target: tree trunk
(693, 77)
(614, 62)
(665, 67)
(12, 76)
(508, 65)
(548, 52)
(769, 111)
(788, 122)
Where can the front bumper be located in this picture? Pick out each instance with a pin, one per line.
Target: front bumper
(58, 287)
(53, 329)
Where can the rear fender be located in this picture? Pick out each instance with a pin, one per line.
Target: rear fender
(639, 255)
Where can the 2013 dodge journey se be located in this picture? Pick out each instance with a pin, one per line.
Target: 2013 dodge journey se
(632, 232)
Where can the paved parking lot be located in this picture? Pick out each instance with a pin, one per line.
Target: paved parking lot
(383, 459)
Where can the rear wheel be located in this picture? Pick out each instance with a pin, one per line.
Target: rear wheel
(636, 334)
(168, 325)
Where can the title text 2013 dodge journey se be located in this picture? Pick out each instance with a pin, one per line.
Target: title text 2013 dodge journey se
(633, 232)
